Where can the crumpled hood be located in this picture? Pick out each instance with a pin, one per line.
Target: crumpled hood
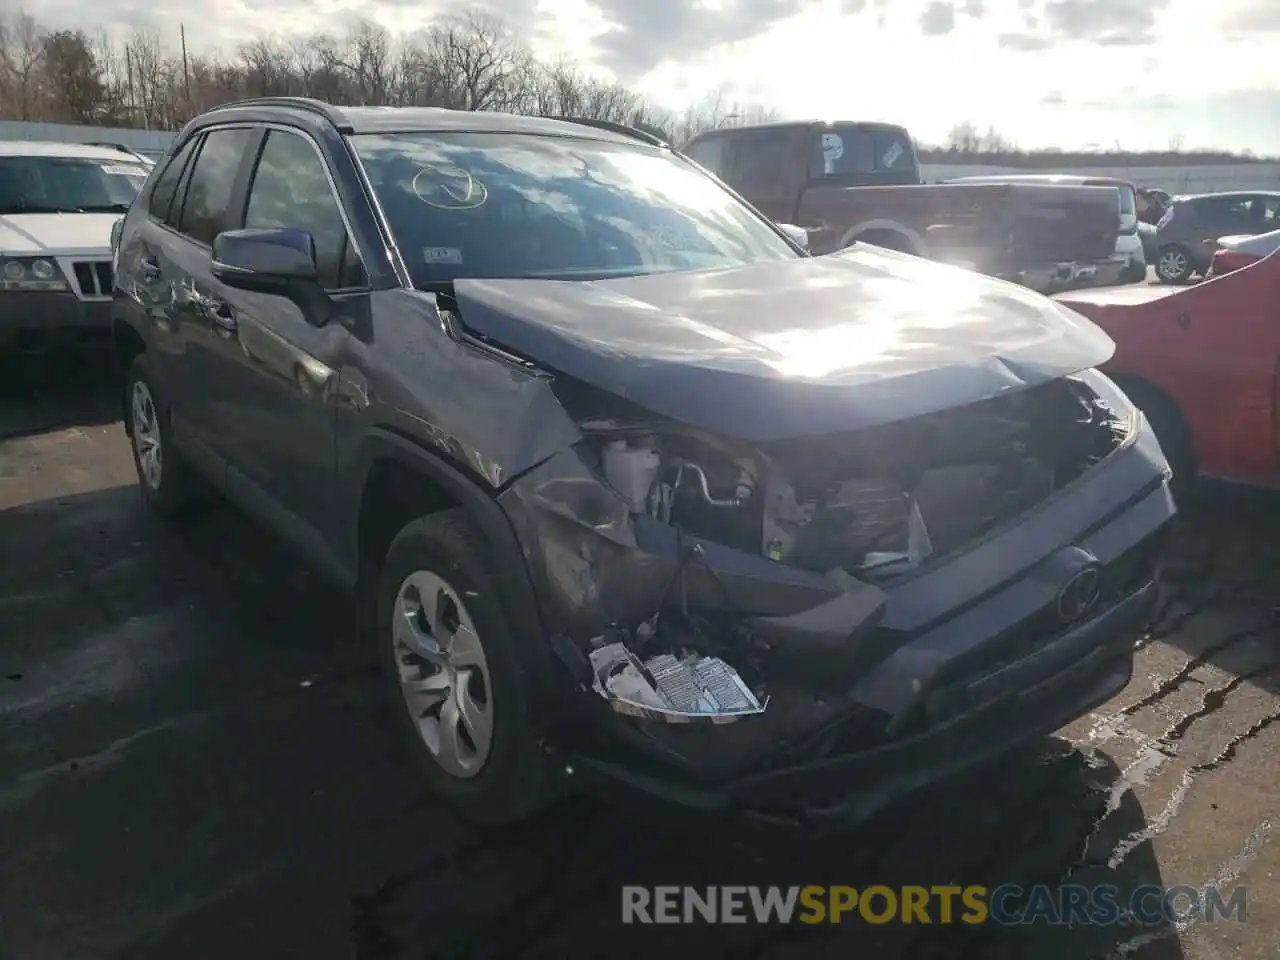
(32, 234)
(791, 348)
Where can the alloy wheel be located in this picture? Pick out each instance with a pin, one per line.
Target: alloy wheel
(443, 673)
(1173, 265)
(146, 435)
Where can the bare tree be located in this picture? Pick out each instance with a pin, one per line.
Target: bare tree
(463, 60)
(21, 57)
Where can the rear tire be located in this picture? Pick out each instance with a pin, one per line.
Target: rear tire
(456, 679)
(1174, 265)
(168, 484)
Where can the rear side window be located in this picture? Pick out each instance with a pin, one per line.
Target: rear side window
(709, 154)
(757, 159)
(167, 183)
(852, 151)
(208, 199)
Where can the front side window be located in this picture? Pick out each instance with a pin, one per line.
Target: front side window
(504, 205)
(68, 185)
(208, 198)
(290, 190)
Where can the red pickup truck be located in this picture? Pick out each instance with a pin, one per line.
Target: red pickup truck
(846, 181)
(1203, 362)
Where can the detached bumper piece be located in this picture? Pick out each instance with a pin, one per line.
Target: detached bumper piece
(687, 689)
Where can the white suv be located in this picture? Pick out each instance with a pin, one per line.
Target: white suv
(58, 203)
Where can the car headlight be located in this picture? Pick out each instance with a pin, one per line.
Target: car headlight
(31, 274)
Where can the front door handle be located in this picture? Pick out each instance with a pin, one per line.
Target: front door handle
(148, 270)
(222, 315)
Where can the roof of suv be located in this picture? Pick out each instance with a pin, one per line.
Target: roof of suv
(357, 120)
(41, 148)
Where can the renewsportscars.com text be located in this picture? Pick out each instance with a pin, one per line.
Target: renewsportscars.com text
(1008, 905)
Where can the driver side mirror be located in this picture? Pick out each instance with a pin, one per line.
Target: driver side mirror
(273, 260)
(798, 235)
(264, 260)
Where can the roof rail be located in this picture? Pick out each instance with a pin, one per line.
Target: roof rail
(649, 136)
(326, 110)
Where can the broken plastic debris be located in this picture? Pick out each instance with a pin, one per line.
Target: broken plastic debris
(670, 689)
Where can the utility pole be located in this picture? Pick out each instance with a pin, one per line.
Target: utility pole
(128, 73)
(186, 69)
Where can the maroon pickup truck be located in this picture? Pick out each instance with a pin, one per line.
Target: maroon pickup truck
(844, 181)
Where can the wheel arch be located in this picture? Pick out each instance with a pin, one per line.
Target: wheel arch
(887, 226)
(400, 480)
(1138, 388)
(128, 344)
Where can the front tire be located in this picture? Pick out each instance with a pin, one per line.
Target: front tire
(1171, 429)
(1134, 273)
(168, 485)
(456, 678)
(1174, 265)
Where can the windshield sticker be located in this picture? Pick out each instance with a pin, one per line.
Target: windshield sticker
(117, 170)
(449, 188)
(450, 255)
(892, 155)
(832, 150)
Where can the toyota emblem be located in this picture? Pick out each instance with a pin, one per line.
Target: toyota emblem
(1079, 594)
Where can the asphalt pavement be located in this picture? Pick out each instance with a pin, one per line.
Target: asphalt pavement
(194, 763)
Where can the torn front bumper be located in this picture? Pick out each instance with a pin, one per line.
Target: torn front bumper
(1048, 689)
(893, 686)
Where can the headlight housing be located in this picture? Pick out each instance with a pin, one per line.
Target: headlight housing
(31, 273)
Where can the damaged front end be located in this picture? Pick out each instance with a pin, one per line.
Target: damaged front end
(721, 600)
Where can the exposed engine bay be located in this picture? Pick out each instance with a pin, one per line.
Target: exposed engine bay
(877, 503)
(866, 507)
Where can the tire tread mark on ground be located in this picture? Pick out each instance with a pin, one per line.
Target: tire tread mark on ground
(1160, 824)
(1170, 684)
(1227, 873)
(1212, 701)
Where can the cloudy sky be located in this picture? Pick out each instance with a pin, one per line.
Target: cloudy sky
(1074, 73)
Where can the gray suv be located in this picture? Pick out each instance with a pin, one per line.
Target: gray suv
(1187, 235)
(630, 490)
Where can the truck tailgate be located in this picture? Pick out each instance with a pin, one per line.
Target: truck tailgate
(1049, 223)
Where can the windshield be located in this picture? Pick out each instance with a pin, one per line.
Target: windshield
(502, 205)
(68, 185)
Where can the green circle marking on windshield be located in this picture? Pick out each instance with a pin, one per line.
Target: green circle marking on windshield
(449, 188)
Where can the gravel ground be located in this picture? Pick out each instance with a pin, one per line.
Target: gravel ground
(192, 764)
